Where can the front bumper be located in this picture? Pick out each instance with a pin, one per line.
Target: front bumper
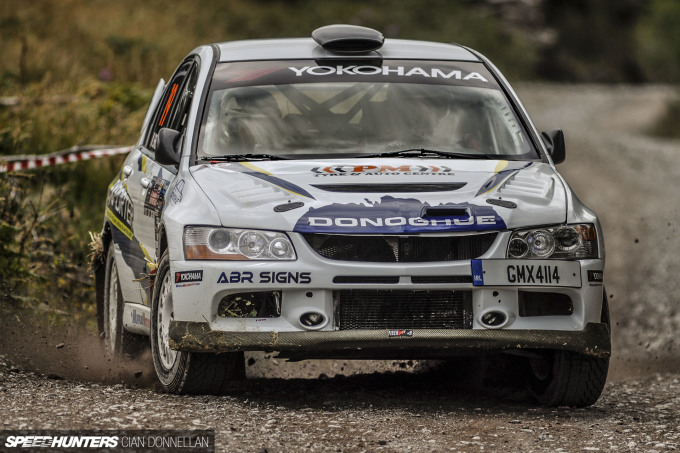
(593, 340)
(318, 286)
(314, 284)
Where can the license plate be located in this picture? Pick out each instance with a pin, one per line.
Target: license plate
(526, 273)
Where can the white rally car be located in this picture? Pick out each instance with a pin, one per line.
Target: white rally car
(350, 196)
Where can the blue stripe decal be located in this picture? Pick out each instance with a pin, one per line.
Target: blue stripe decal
(249, 169)
(497, 179)
(290, 187)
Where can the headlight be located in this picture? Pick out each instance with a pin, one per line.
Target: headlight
(211, 243)
(559, 242)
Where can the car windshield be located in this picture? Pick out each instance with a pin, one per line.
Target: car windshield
(303, 109)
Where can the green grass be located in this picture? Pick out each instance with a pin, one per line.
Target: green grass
(46, 214)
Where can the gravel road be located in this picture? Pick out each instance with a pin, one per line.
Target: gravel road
(57, 378)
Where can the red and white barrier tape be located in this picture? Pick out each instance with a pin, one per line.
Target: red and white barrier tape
(76, 154)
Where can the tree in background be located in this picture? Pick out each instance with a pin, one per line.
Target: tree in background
(658, 37)
(594, 41)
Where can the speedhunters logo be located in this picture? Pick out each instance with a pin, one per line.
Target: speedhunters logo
(395, 215)
(198, 441)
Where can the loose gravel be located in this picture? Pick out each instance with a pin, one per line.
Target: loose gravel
(389, 411)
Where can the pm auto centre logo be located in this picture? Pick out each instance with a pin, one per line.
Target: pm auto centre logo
(364, 170)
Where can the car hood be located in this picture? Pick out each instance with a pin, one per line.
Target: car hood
(383, 195)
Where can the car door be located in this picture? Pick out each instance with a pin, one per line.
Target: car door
(120, 212)
(148, 181)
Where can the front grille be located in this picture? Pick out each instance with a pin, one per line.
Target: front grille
(402, 309)
(399, 249)
(391, 188)
(363, 279)
(441, 279)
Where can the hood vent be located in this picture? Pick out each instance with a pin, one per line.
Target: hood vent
(252, 194)
(528, 186)
(444, 211)
(288, 206)
(390, 188)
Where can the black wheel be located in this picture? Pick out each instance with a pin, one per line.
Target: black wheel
(565, 378)
(118, 342)
(179, 371)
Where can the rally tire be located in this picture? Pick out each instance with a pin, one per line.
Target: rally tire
(186, 372)
(574, 380)
(118, 343)
(565, 378)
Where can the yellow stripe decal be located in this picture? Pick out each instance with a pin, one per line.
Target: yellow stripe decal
(118, 223)
(257, 172)
(502, 165)
(255, 168)
(146, 254)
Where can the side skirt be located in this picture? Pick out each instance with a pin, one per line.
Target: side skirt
(137, 318)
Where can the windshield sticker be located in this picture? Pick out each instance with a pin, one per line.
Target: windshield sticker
(400, 71)
(397, 215)
(363, 170)
(248, 75)
(462, 73)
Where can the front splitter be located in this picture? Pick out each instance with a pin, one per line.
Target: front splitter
(594, 341)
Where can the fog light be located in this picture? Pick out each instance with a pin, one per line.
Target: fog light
(266, 304)
(312, 319)
(493, 318)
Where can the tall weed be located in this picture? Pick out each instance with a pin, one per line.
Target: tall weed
(46, 214)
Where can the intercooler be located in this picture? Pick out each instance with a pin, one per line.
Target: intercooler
(402, 309)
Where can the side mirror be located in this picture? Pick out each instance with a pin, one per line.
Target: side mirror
(167, 152)
(554, 142)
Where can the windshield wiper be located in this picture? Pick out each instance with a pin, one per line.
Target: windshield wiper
(233, 157)
(419, 152)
